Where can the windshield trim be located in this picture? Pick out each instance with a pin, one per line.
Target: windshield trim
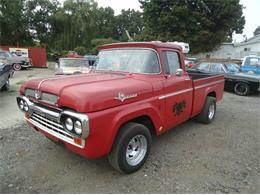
(137, 48)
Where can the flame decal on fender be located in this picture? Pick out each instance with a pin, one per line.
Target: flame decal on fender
(122, 97)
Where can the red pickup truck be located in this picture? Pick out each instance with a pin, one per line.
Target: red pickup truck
(136, 90)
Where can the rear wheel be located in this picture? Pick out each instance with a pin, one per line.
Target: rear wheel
(242, 89)
(17, 67)
(209, 111)
(131, 148)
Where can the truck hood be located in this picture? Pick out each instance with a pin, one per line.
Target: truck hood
(93, 92)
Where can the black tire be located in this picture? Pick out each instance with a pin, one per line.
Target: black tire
(205, 116)
(118, 155)
(6, 87)
(17, 67)
(241, 89)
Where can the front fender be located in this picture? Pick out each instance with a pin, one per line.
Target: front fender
(132, 112)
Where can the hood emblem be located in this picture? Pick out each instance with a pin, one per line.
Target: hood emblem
(37, 94)
(122, 97)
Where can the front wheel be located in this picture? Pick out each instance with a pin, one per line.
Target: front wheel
(242, 89)
(209, 111)
(131, 148)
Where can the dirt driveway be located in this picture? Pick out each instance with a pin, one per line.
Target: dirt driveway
(222, 157)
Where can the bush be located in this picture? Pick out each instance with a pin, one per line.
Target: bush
(95, 43)
(81, 50)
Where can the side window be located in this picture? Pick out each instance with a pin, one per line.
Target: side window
(172, 61)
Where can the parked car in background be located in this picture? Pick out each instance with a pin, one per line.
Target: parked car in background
(72, 66)
(5, 73)
(191, 62)
(241, 83)
(91, 59)
(251, 64)
(17, 62)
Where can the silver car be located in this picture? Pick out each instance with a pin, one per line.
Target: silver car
(17, 62)
(68, 66)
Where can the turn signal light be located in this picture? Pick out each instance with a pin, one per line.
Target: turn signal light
(77, 141)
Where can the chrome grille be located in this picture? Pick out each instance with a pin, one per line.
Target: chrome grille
(48, 97)
(52, 125)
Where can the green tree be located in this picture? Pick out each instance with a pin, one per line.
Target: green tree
(80, 50)
(204, 24)
(95, 43)
(257, 31)
(105, 22)
(73, 24)
(39, 13)
(129, 20)
(14, 25)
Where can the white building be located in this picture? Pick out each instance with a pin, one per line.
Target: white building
(235, 50)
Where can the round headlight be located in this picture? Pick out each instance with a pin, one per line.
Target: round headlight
(78, 127)
(69, 124)
(21, 104)
(25, 107)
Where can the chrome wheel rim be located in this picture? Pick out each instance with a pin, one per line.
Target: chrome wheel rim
(17, 67)
(136, 150)
(241, 89)
(211, 111)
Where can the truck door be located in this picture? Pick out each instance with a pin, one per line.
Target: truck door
(178, 90)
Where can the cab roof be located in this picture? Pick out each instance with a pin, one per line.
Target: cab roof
(154, 45)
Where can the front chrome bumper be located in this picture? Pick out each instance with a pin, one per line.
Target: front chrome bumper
(48, 120)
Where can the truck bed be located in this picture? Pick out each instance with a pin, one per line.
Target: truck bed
(196, 74)
(203, 84)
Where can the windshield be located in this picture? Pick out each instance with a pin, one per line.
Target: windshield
(5, 54)
(232, 67)
(252, 61)
(74, 63)
(129, 60)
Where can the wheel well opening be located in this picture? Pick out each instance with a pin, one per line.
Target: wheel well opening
(212, 94)
(146, 121)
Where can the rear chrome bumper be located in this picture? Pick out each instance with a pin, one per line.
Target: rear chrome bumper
(48, 120)
(26, 64)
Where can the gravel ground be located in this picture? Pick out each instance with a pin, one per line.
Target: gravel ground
(222, 157)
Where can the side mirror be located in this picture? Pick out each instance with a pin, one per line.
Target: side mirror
(179, 72)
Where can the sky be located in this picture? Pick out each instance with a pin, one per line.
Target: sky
(252, 16)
